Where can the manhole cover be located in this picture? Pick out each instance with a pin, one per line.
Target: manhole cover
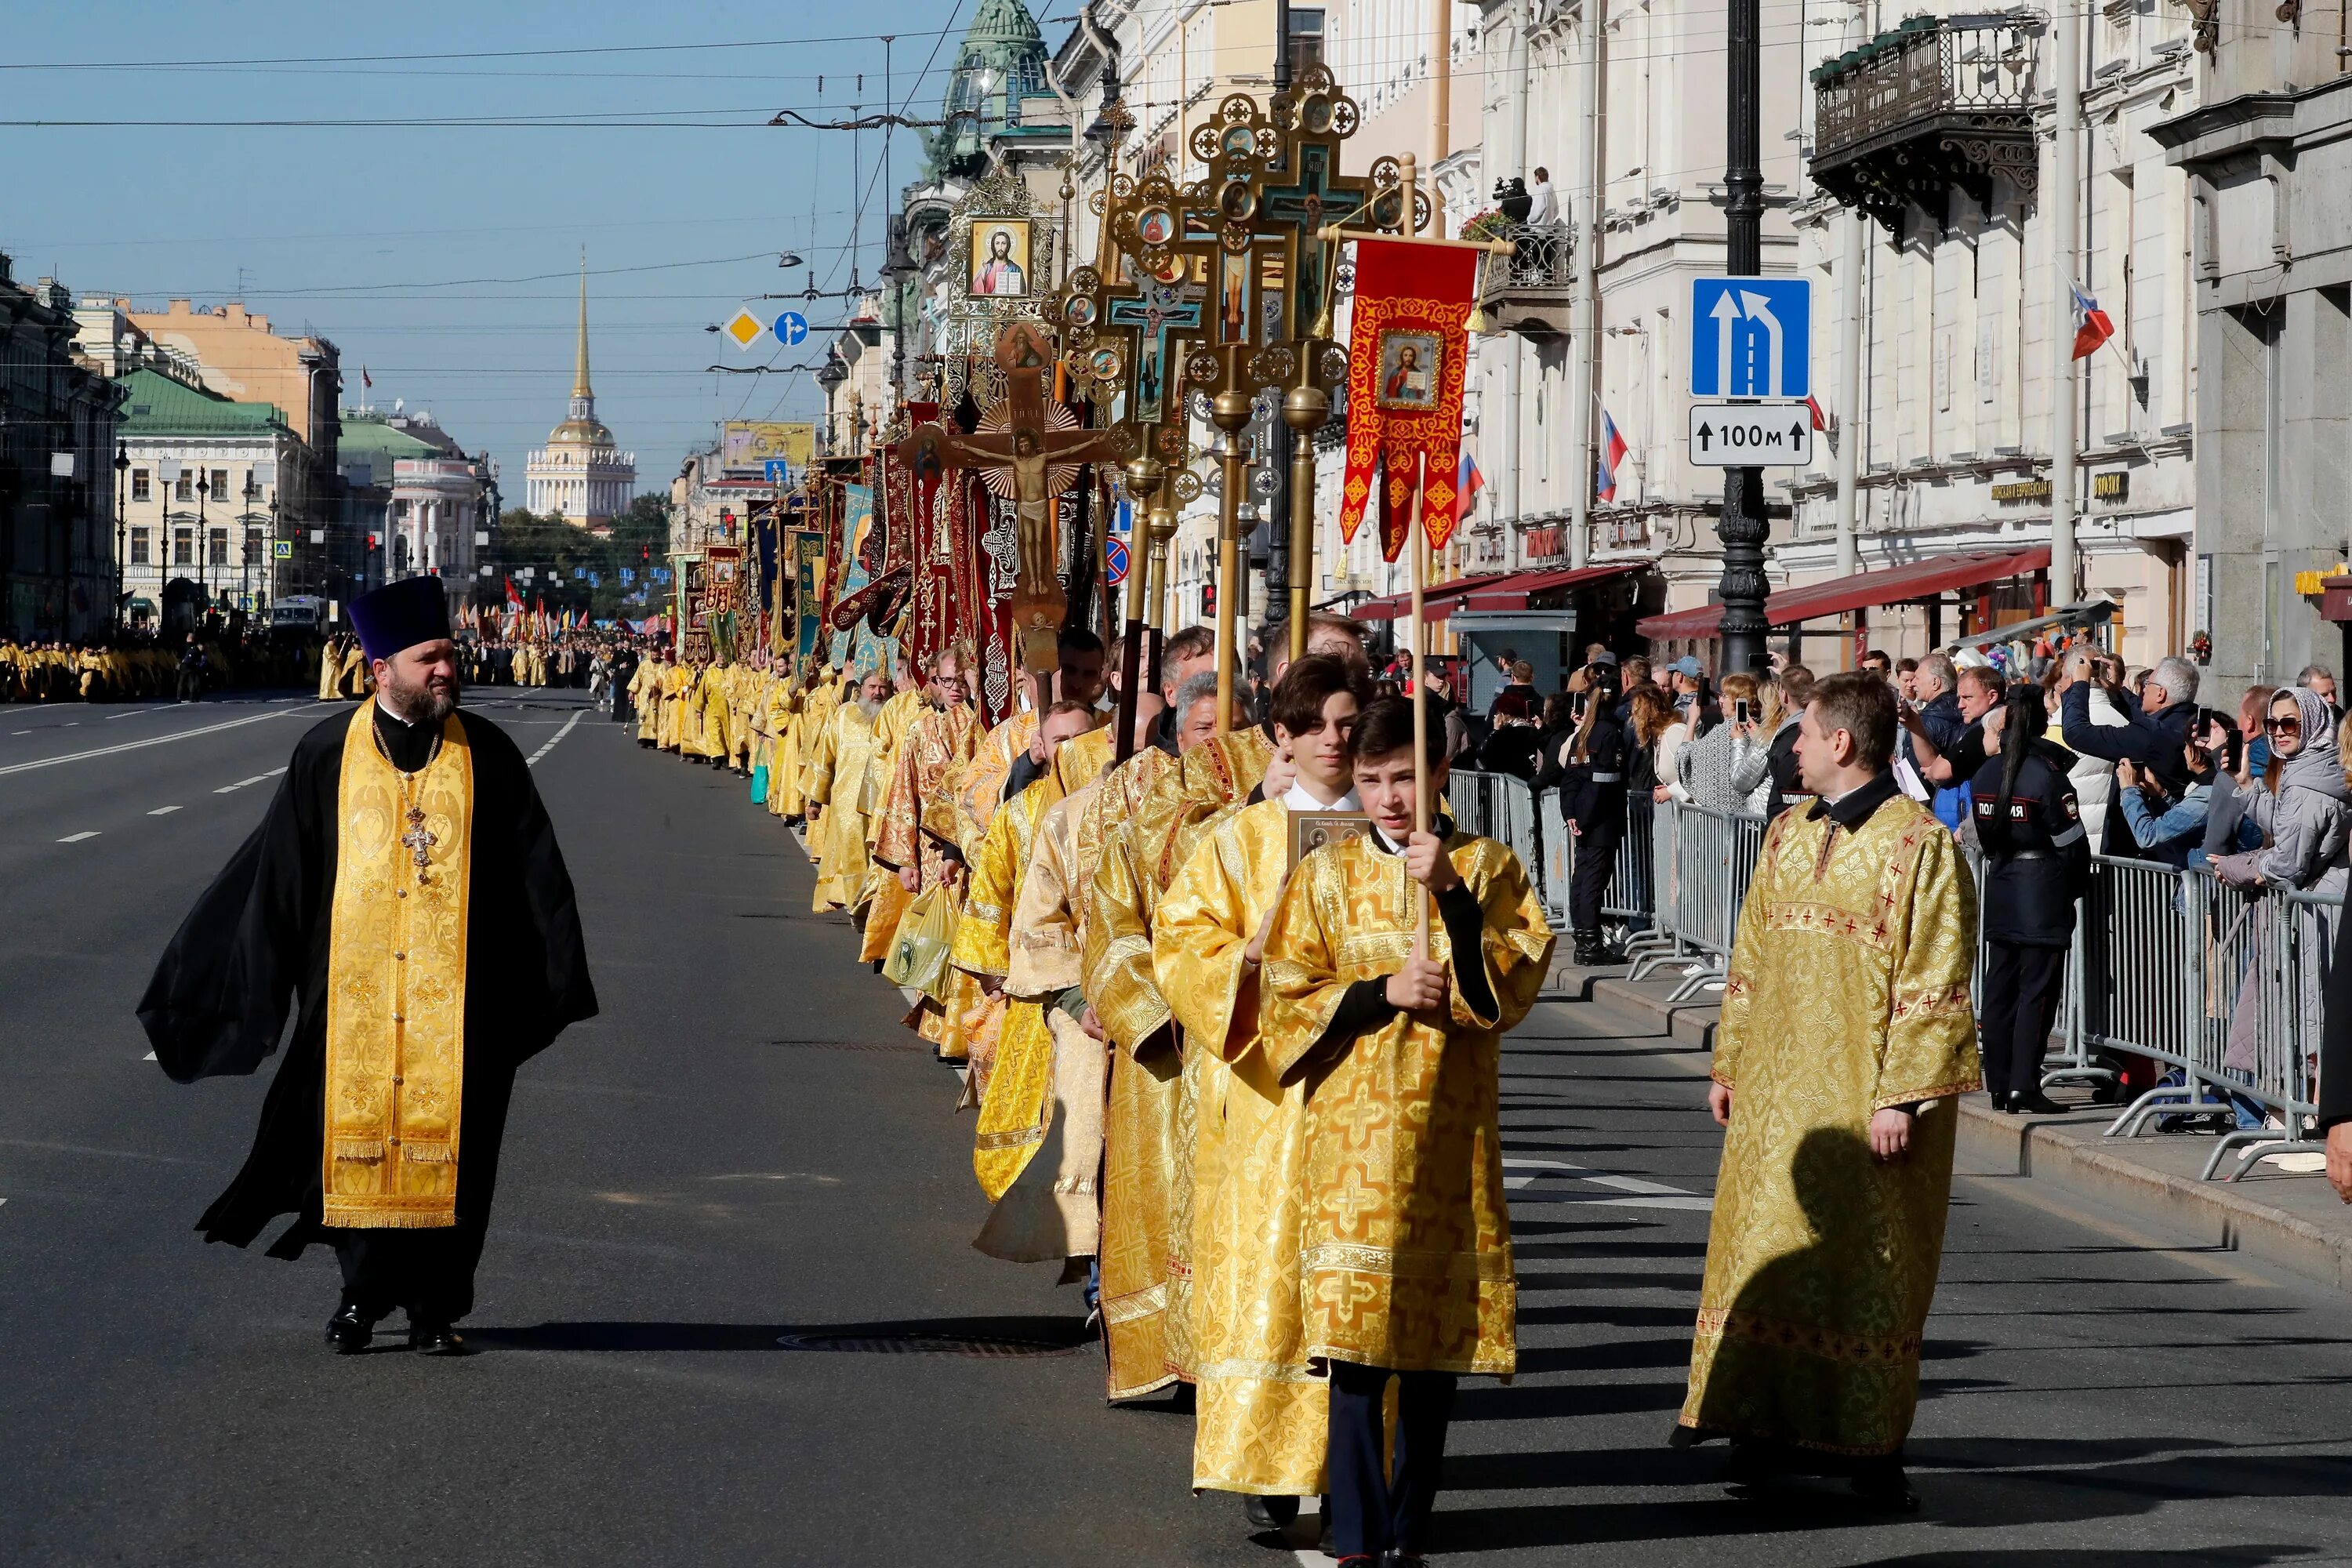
(852, 1045)
(983, 1345)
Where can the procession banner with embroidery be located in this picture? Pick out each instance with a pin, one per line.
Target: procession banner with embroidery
(860, 554)
(1409, 349)
(808, 588)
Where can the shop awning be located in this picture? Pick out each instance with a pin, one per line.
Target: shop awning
(1514, 592)
(1904, 585)
(1440, 600)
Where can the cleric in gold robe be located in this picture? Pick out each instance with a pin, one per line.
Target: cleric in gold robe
(1846, 1038)
(916, 844)
(1261, 1409)
(1405, 1263)
(836, 782)
(405, 894)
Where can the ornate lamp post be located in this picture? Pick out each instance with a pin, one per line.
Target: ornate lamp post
(122, 525)
(204, 547)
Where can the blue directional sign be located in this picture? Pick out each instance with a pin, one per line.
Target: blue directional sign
(779, 472)
(791, 329)
(1751, 337)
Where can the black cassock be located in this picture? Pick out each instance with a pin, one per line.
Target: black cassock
(258, 941)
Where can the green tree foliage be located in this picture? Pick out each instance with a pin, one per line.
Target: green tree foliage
(565, 559)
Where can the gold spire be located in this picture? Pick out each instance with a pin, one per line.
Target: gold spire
(580, 388)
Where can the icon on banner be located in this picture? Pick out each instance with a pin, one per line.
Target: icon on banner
(1751, 337)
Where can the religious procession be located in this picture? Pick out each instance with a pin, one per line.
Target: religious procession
(1166, 896)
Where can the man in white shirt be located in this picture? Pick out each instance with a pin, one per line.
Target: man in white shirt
(1546, 209)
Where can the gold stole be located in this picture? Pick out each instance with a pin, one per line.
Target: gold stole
(397, 984)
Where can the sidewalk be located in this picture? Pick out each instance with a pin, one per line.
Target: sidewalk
(2290, 1221)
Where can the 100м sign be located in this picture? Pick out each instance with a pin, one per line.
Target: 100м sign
(1751, 435)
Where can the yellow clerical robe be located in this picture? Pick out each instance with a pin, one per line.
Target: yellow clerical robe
(1405, 1249)
(981, 788)
(1263, 1416)
(674, 680)
(882, 901)
(836, 774)
(1848, 992)
(785, 700)
(1010, 1030)
(1050, 1209)
(918, 828)
(1148, 1126)
(644, 692)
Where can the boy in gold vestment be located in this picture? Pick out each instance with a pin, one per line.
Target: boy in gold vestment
(1262, 1410)
(1406, 1243)
(1845, 1040)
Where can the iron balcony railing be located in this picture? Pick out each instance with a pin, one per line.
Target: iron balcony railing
(1938, 102)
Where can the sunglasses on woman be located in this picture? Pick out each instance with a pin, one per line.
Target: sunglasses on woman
(2285, 726)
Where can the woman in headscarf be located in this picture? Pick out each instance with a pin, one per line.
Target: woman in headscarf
(2303, 808)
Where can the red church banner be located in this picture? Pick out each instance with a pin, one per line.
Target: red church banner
(1410, 348)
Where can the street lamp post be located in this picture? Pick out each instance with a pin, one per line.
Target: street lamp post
(203, 548)
(122, 525)
(1742, 527)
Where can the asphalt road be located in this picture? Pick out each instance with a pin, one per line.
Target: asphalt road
(730, 1308)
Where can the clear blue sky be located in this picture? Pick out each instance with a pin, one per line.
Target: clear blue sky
(373, 234)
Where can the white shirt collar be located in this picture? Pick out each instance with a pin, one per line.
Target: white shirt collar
(1298, 798)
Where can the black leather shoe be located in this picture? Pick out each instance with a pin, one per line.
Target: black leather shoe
(1881, 1484)
(2033, 1102)
(1270, 1512)
(435, 1339)
(350, 1329)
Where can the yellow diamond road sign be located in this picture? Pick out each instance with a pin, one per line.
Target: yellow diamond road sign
(744, 327)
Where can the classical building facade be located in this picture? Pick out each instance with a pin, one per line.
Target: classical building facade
(207, 493)
(2268, 155)
(57, 438)
(430, 504)
(581, 474)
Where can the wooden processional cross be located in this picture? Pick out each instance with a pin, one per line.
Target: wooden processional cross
(1027, 450)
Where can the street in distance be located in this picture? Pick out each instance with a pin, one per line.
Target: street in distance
(1751, 435)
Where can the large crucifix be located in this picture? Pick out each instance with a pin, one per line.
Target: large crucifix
(1028, 449)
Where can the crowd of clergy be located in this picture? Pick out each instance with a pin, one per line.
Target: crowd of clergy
(1240, 1082)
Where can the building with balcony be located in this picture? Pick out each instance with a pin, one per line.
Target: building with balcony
(57, 438)
(430, 504)
(206, 513)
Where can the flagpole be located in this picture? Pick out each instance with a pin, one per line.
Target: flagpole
(1416, 550)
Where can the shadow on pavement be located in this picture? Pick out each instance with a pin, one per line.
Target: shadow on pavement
(1059, 1332)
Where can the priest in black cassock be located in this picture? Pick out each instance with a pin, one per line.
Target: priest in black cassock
(406, 895)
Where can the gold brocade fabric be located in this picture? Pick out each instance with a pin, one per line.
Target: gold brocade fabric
(836, 773)
(1016, 1101)
(785, 797)
(932, 756)
(998, 865)
(1148, 1126)
(1080, 760)
(645, 690)
(1049, 917)
(981, 787)
(396, 985)
(666, 723)
(1406, 1256)
(1262, 1415)
(1848, 992)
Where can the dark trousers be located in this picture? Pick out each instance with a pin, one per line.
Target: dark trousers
(1372, 1512)
(1596, 863)
(2021, 992)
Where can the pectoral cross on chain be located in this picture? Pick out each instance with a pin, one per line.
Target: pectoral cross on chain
(420, 842)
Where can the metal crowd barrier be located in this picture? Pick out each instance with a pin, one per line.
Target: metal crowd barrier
(2225, 988)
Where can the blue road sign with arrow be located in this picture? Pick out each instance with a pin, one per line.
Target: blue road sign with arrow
(791, 329)
(1751, 337)
(777, 471)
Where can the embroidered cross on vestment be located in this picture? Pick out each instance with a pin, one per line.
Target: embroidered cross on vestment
(420, 842)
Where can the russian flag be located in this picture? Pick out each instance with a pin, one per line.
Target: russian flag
(2092, 326)
(1469, 481)
(1612, 452)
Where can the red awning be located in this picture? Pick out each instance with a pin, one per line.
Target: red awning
(1513, 593)
(1439, 599)
(1928, 579)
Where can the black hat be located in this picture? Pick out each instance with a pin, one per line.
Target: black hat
(401, 615)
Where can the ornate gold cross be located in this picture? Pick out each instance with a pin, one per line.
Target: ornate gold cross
(420, 843)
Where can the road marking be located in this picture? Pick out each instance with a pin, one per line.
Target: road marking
(78, 837)
(20, 731)
(134, 712)
(147, 1058)
(151, 741)
(258, 778)
(552, 739)
(1648, 1195)
(163, 811)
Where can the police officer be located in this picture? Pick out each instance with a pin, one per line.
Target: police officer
(1592, 799)
(2037, 865)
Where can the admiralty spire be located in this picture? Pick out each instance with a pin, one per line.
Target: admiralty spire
(580, 475)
